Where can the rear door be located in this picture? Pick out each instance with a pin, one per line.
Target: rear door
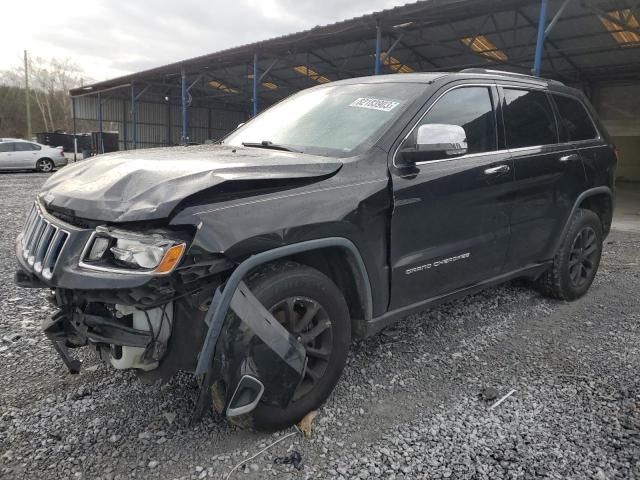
(548, 174)
(26, 154)
(578, 129)
(450, 223)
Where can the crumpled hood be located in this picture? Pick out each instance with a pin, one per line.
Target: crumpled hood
(147, 184)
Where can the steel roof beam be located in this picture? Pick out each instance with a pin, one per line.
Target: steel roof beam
(421, 58)
(555, 18)
(553, 44)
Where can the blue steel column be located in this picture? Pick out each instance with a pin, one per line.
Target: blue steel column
(376, 68)
(100, 134)
(537, 61)
(255, 84)
(134, 134)
(185, 137)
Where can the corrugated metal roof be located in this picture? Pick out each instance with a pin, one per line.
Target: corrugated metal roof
(338, 32)
(427, 36)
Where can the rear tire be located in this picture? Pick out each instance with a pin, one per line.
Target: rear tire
(576, 263)
(44, 165)
(291, 287)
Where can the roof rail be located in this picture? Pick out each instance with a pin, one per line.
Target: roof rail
(489, 71)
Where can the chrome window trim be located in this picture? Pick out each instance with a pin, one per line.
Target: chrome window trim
(462, 157)
(568, 95)
(395, 153)
(570, 145)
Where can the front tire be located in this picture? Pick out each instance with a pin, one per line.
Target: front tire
(309, 305)
(576, 263)
(44, 165)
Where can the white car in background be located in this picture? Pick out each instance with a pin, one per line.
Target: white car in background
(25, 155)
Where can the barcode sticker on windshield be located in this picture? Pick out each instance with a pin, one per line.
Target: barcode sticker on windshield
(374, 104)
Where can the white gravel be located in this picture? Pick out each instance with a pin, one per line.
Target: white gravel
(409, 404)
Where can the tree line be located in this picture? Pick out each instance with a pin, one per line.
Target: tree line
(49, 83)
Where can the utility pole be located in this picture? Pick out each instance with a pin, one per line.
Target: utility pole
(26, 94)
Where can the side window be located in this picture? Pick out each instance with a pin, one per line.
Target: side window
(6, 147)
(23, 147)
(470, 108)
(575, 122)
(528, 118)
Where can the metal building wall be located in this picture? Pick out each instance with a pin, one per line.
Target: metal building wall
(618, 106)
(157, 124)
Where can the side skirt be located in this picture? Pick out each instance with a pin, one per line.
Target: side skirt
(389, 318)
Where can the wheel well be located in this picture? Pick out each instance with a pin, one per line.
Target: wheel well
(602, 206)
(339, 265)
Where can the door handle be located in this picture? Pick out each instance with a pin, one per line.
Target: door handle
(569, 158)
(497, 170)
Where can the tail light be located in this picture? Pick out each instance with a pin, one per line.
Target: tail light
(62, 153)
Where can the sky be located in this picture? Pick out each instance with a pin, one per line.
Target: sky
(108, 38)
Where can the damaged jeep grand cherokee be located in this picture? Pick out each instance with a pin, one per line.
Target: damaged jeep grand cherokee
(253, 263)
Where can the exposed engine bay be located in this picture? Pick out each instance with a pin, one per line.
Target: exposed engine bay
(253, 357)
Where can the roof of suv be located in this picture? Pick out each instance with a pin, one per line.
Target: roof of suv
(467, 74)
(428, 77)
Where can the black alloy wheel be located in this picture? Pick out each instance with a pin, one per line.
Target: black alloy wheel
(576, 262)
(310, 306)
(309, 322)
(583, 256)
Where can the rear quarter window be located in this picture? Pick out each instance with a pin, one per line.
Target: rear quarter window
(575, 122)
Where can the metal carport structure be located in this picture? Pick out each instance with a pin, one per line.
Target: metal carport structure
(590, 44)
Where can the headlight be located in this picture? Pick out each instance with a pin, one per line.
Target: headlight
(130, 252)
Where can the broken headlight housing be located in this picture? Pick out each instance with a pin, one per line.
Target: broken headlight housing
(115, 250)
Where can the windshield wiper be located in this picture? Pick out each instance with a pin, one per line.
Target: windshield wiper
(271, 145)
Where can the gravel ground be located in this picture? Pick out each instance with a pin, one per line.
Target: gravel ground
(409, 405)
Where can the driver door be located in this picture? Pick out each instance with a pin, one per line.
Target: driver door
(8, 158)
(450, 223)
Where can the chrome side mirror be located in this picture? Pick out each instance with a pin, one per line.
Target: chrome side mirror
(435, 141)
(449, 140)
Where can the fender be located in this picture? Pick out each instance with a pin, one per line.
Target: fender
(221, 302)
(586, 194)
(222, 299)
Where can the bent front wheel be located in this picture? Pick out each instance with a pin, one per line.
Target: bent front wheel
(312, 308)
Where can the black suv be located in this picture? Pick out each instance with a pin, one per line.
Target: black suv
(254, 263)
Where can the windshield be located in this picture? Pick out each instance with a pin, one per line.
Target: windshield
(328, 120)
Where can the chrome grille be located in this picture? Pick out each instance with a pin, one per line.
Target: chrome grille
(42, 243)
